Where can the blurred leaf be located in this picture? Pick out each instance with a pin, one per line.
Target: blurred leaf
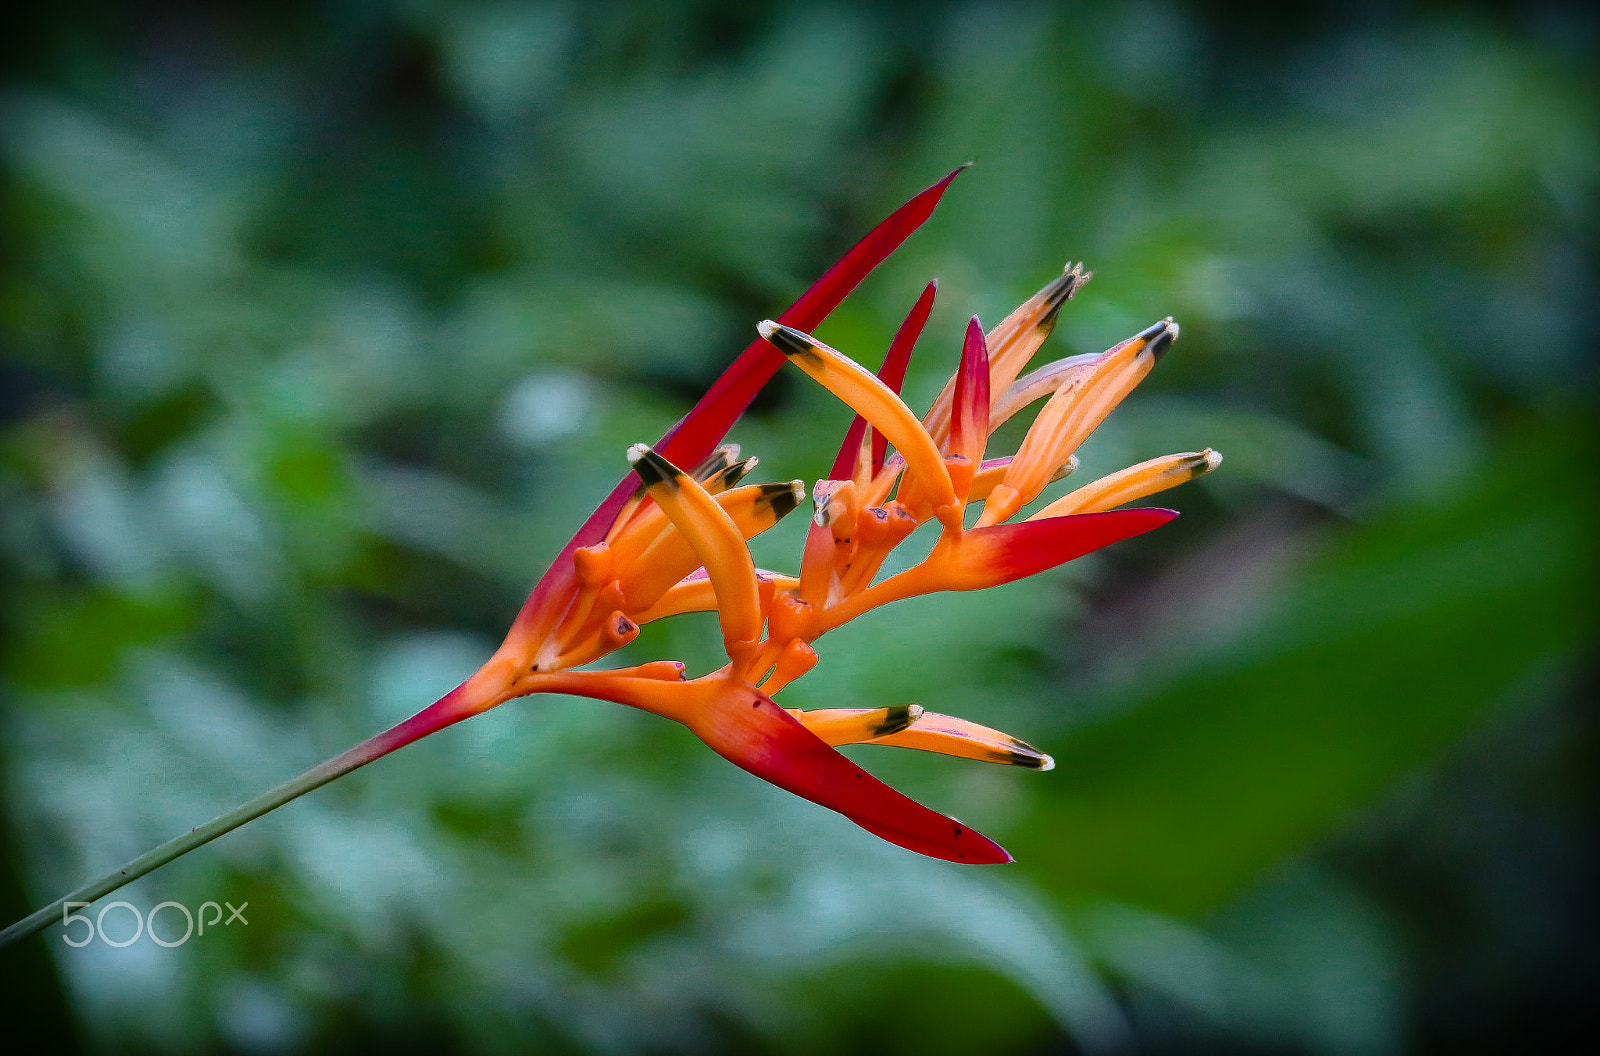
(79, 640)
(1383, 649)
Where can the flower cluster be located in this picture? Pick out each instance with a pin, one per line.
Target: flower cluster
(669, 541)
(676, 542)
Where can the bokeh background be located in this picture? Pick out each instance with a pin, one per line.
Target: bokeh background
(323, 324)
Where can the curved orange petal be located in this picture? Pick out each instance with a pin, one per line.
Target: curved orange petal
(714, 538)
(881, 406)
(838, 726)
(1133, 483)
(948, 735)
(746, 728)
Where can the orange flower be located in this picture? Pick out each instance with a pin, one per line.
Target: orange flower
(678, 544)
(668, 541)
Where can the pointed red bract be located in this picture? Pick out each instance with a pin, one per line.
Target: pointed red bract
(709, 420)
(899, 358)
(1005, 552)
(892, 374)
(757, 735)
(969, 414)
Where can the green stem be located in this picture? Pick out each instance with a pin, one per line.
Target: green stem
(462, 702)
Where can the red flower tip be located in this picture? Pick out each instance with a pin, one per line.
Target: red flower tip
(969, 421)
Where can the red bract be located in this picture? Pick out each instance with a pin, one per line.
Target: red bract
(969, 414)
(671, 540)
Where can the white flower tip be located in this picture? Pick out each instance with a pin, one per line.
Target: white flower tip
(1204, 462)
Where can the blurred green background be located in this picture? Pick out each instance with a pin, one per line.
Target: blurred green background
(322, 325)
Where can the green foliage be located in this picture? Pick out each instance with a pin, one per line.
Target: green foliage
(1369, 660)
(322, 329)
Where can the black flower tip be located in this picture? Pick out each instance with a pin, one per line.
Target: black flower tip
(738, 471)
(897, 717)
(1059, 292)
(787, 339)
(716, 463)
(783, 498)
(1159, 337)
(651, 467)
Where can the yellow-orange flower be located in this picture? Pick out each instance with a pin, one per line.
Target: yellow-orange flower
(678, 544)
(668, 541)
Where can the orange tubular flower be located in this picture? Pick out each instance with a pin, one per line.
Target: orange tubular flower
(937, 471)
(678, 545)
(668, 541)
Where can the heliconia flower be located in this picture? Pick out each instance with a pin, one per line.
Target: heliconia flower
(669, 540)
(937, 470)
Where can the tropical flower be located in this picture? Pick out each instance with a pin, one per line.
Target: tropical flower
(678, 544)
(669, 541)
